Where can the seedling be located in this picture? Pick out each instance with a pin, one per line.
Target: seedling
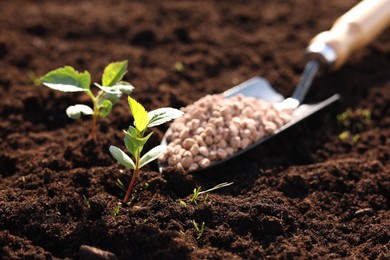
(86, 202)
(135, 138)
(354, 122)
(346, 135)
(198, 230)
(67, 79)
(179, 67)
(120, 185)
(197, 192)
(117, 209)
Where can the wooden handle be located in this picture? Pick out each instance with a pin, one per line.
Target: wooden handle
(355, 29)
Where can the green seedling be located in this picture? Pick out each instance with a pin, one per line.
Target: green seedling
(67, 79)
(354, 120)
(117, 209)
(197, 192)
(179, 66)
(136, 137)
(198, 230)
(120, 185)
(346, 135)
(86, 202)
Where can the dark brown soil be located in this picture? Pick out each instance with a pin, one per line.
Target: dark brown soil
(306, 194)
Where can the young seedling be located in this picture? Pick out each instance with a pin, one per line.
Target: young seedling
(136, 137)
(117, 209)
(353, 122)
(198, 230)
(86, 202)
(120, 185)
(67, 79)
(197, 192)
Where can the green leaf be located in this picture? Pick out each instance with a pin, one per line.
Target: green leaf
(163, 115)
(76, 111)
(67, 79)
(113, 73)
(121, 87)
(124, 87)
(133, 142)
(141, 118)
(130, 146)
(115, 92)
(153, 154)
(121, 157)
(105, 107)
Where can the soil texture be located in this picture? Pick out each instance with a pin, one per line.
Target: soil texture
(319, 190)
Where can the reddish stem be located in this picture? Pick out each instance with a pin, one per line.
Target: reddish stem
(93, 128)
(130, 186)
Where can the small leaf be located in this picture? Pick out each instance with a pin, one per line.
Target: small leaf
(108, 90)
(76, 111)
(134, 142)
(115, 92)
(163, 115)
(105, 107)
(151, 155)
(113, 73)
(121, 157)
(124, 87)
(67, 79)
(141, 118)
(130, 146)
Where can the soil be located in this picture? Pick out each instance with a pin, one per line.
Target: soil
(308, 193)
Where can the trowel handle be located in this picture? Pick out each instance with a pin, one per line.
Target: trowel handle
(355, 29)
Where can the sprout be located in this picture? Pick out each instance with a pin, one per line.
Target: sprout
(135, 138)
(67, 79)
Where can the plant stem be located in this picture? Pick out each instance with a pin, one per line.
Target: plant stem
(135, 173)
(93, 127)
(95, 114)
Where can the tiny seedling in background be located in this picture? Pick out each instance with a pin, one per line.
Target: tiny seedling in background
(353, 122)
(86, 202)
(198, 230)
(136, 137)
(179, 66)
(67, 79)
(117, 209)
(197, 192)
(120, 185)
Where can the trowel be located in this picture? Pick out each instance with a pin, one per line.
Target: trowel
(326, 52)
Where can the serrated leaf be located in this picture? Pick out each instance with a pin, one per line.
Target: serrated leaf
(152, 155)
(133, 143)
(67, 79)
(163, 115)
(141, 117)
(121, 157)
(105, 107)
(76, 111)
(113, 73)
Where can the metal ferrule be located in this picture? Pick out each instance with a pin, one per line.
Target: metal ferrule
(323, 53)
